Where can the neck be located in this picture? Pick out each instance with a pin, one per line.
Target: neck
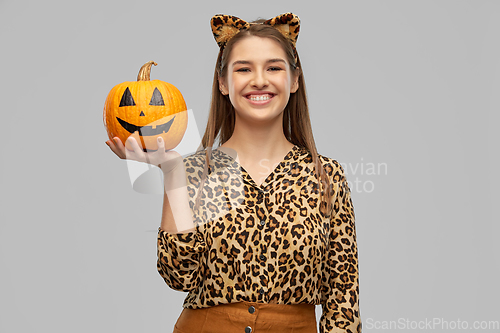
(254, 142)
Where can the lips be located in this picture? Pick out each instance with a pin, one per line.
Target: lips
(258, 96)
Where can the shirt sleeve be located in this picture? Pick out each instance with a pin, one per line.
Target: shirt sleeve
(179, 259)
(340, 288)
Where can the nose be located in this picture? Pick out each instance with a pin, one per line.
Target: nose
(259, 79)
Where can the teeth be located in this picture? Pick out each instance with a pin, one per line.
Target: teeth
(260, 98)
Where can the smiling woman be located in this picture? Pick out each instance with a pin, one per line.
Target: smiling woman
(261, 229)
(259, 83)
(269, 242)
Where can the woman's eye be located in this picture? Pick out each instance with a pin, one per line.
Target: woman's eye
(242, 70)
(275, 68)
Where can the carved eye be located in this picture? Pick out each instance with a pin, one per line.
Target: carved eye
(127, 99)
(157, 98)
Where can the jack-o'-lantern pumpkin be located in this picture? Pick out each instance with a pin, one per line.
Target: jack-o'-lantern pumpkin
(146, 110)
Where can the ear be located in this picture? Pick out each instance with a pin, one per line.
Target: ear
(224, 27)
(295, 83)
(222, 86)
(288, 24)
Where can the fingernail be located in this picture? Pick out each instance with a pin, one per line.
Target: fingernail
(159, 139)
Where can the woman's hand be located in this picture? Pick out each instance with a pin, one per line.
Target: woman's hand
(176, 216)
(166, 160)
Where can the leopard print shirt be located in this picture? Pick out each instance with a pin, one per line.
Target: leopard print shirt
(268, 243)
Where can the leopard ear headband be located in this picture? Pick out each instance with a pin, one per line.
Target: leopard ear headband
(225, 27)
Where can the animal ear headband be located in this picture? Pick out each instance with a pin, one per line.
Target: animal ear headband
(225, 27)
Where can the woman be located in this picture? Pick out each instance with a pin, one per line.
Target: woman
(270, 229)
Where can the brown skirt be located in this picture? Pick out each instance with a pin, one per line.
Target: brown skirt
(248, 317)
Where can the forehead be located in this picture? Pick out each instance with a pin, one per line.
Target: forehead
(257, 49)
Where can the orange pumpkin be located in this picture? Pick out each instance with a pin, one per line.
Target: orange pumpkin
(146, 110)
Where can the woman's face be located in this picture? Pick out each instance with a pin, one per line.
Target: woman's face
(258, 80)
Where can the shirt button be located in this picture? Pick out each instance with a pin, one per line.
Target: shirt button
(251, 309)
(261, 291)
(262, 222)
(248, 329)
(262, 257)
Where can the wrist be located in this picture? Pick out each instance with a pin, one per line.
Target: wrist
(172, 165)
(174, 178)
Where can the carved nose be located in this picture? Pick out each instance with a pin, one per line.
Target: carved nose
(142, 114)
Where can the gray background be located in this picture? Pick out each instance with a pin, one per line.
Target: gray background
(410, 85)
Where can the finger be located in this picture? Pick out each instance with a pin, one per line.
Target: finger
(157, 157)
(161, 144)
(120, 146)
(111, 144)
(137, 153)
(119, 143)
(133, 143)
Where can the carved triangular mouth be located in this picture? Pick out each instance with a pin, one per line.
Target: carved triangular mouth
(146, 130)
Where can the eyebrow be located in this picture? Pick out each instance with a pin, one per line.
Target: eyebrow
(246, 62)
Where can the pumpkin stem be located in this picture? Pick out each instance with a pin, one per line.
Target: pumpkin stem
(145, 71)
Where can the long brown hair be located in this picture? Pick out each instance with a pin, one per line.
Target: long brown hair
(296, 122)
